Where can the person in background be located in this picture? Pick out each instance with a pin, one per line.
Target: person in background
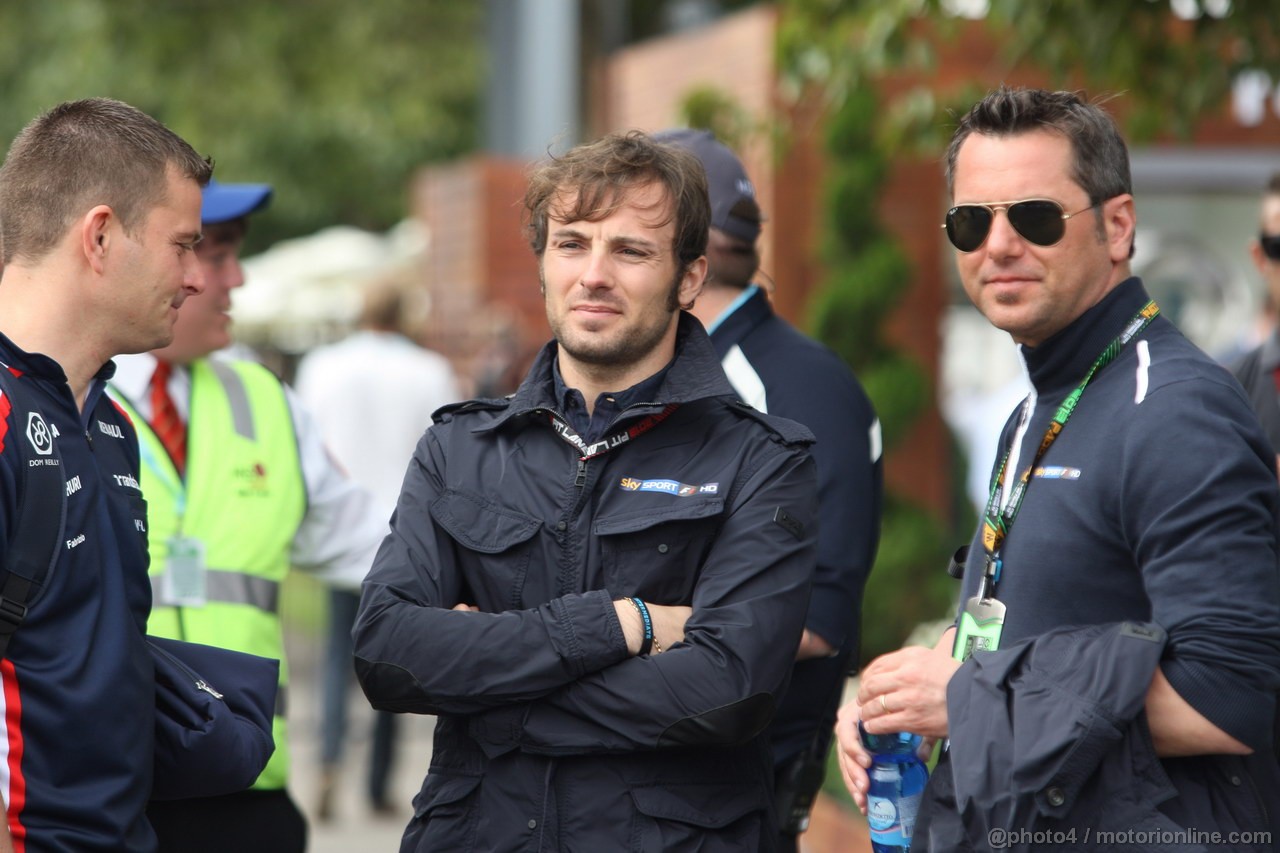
(239, 489)
(778, 370)
(598, 584)
(1116, 657)
(1259, 369)
(372, 396)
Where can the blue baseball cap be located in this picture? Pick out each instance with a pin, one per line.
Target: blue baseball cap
(224, 202)
(734, 209)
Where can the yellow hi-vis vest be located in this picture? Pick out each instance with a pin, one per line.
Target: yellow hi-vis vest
(243, 497)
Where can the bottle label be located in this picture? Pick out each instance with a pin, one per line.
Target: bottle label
(892, 826)
(882, 818)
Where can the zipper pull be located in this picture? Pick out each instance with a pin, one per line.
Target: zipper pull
(581, 479)
(201, 684)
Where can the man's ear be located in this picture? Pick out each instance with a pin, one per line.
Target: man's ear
(1120, 220)
(695, 275)
(98, 232)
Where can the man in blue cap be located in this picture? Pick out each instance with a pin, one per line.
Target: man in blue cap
(239, 490)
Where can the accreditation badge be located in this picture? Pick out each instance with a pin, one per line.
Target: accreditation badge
(979, 630)
(183, 582)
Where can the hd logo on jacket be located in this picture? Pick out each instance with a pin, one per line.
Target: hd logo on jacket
(669, 487)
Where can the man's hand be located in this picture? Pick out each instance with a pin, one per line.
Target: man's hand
(6, 840)
(813, 646)
(906, 691)
(853, 758)
(668, 624)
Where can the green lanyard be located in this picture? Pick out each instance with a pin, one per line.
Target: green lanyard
(996, 523)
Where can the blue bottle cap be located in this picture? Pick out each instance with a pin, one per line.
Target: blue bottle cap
(895, 743)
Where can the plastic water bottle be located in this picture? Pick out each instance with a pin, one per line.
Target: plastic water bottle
(897, 784)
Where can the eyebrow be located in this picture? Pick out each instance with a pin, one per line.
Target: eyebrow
(623, 239)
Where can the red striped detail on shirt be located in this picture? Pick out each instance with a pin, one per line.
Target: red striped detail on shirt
(5, 408)
(17, 781)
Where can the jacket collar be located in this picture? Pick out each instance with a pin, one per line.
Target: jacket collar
(741, 319)
(694, 374)
(1064, 359)
(44, 368)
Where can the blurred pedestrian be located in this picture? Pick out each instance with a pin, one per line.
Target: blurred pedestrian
(778, 370)
(101, 217)
(372, 396)
(239, 489)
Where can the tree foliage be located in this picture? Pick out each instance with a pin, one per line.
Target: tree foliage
(333, 102)
(1175, 60)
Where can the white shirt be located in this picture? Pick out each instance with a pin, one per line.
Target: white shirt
(343, 525)
(372, 395)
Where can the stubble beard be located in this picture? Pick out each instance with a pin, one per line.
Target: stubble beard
(619, 351)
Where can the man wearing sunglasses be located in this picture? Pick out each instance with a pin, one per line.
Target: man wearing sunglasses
(1114, 665)
(1259, 369)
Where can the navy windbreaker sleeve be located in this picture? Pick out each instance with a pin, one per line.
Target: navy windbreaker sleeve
(719, 685)
(850, 479)
(1200, 512)
(414, 653)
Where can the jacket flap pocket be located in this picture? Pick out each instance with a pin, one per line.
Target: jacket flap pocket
(709, 806)
(681, 509)
(479, 524)
(442, 789)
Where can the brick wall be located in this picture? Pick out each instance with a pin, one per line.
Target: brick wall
(479, 272)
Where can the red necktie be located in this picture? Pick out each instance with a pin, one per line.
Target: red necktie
(165, 420)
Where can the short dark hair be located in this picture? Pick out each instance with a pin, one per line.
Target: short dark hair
(601, 172)
(1101, 159)
(80, 154)
(1273, 184)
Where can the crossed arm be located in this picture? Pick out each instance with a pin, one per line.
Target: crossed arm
(520, 674)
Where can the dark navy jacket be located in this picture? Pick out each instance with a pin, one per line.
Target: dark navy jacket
(1050, 751)
(549, 736)
(780, 371)
(1157, 503)
(78, 686)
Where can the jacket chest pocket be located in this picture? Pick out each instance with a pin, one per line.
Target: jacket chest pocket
(494, 546)
(658, 556)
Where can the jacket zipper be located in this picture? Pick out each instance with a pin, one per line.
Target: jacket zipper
(196, 681)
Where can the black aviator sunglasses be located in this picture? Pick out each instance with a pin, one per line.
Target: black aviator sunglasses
(1039, 220)
(1270, 245)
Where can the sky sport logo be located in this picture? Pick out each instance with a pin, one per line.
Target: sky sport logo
(670, 487)
(1003, 839)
